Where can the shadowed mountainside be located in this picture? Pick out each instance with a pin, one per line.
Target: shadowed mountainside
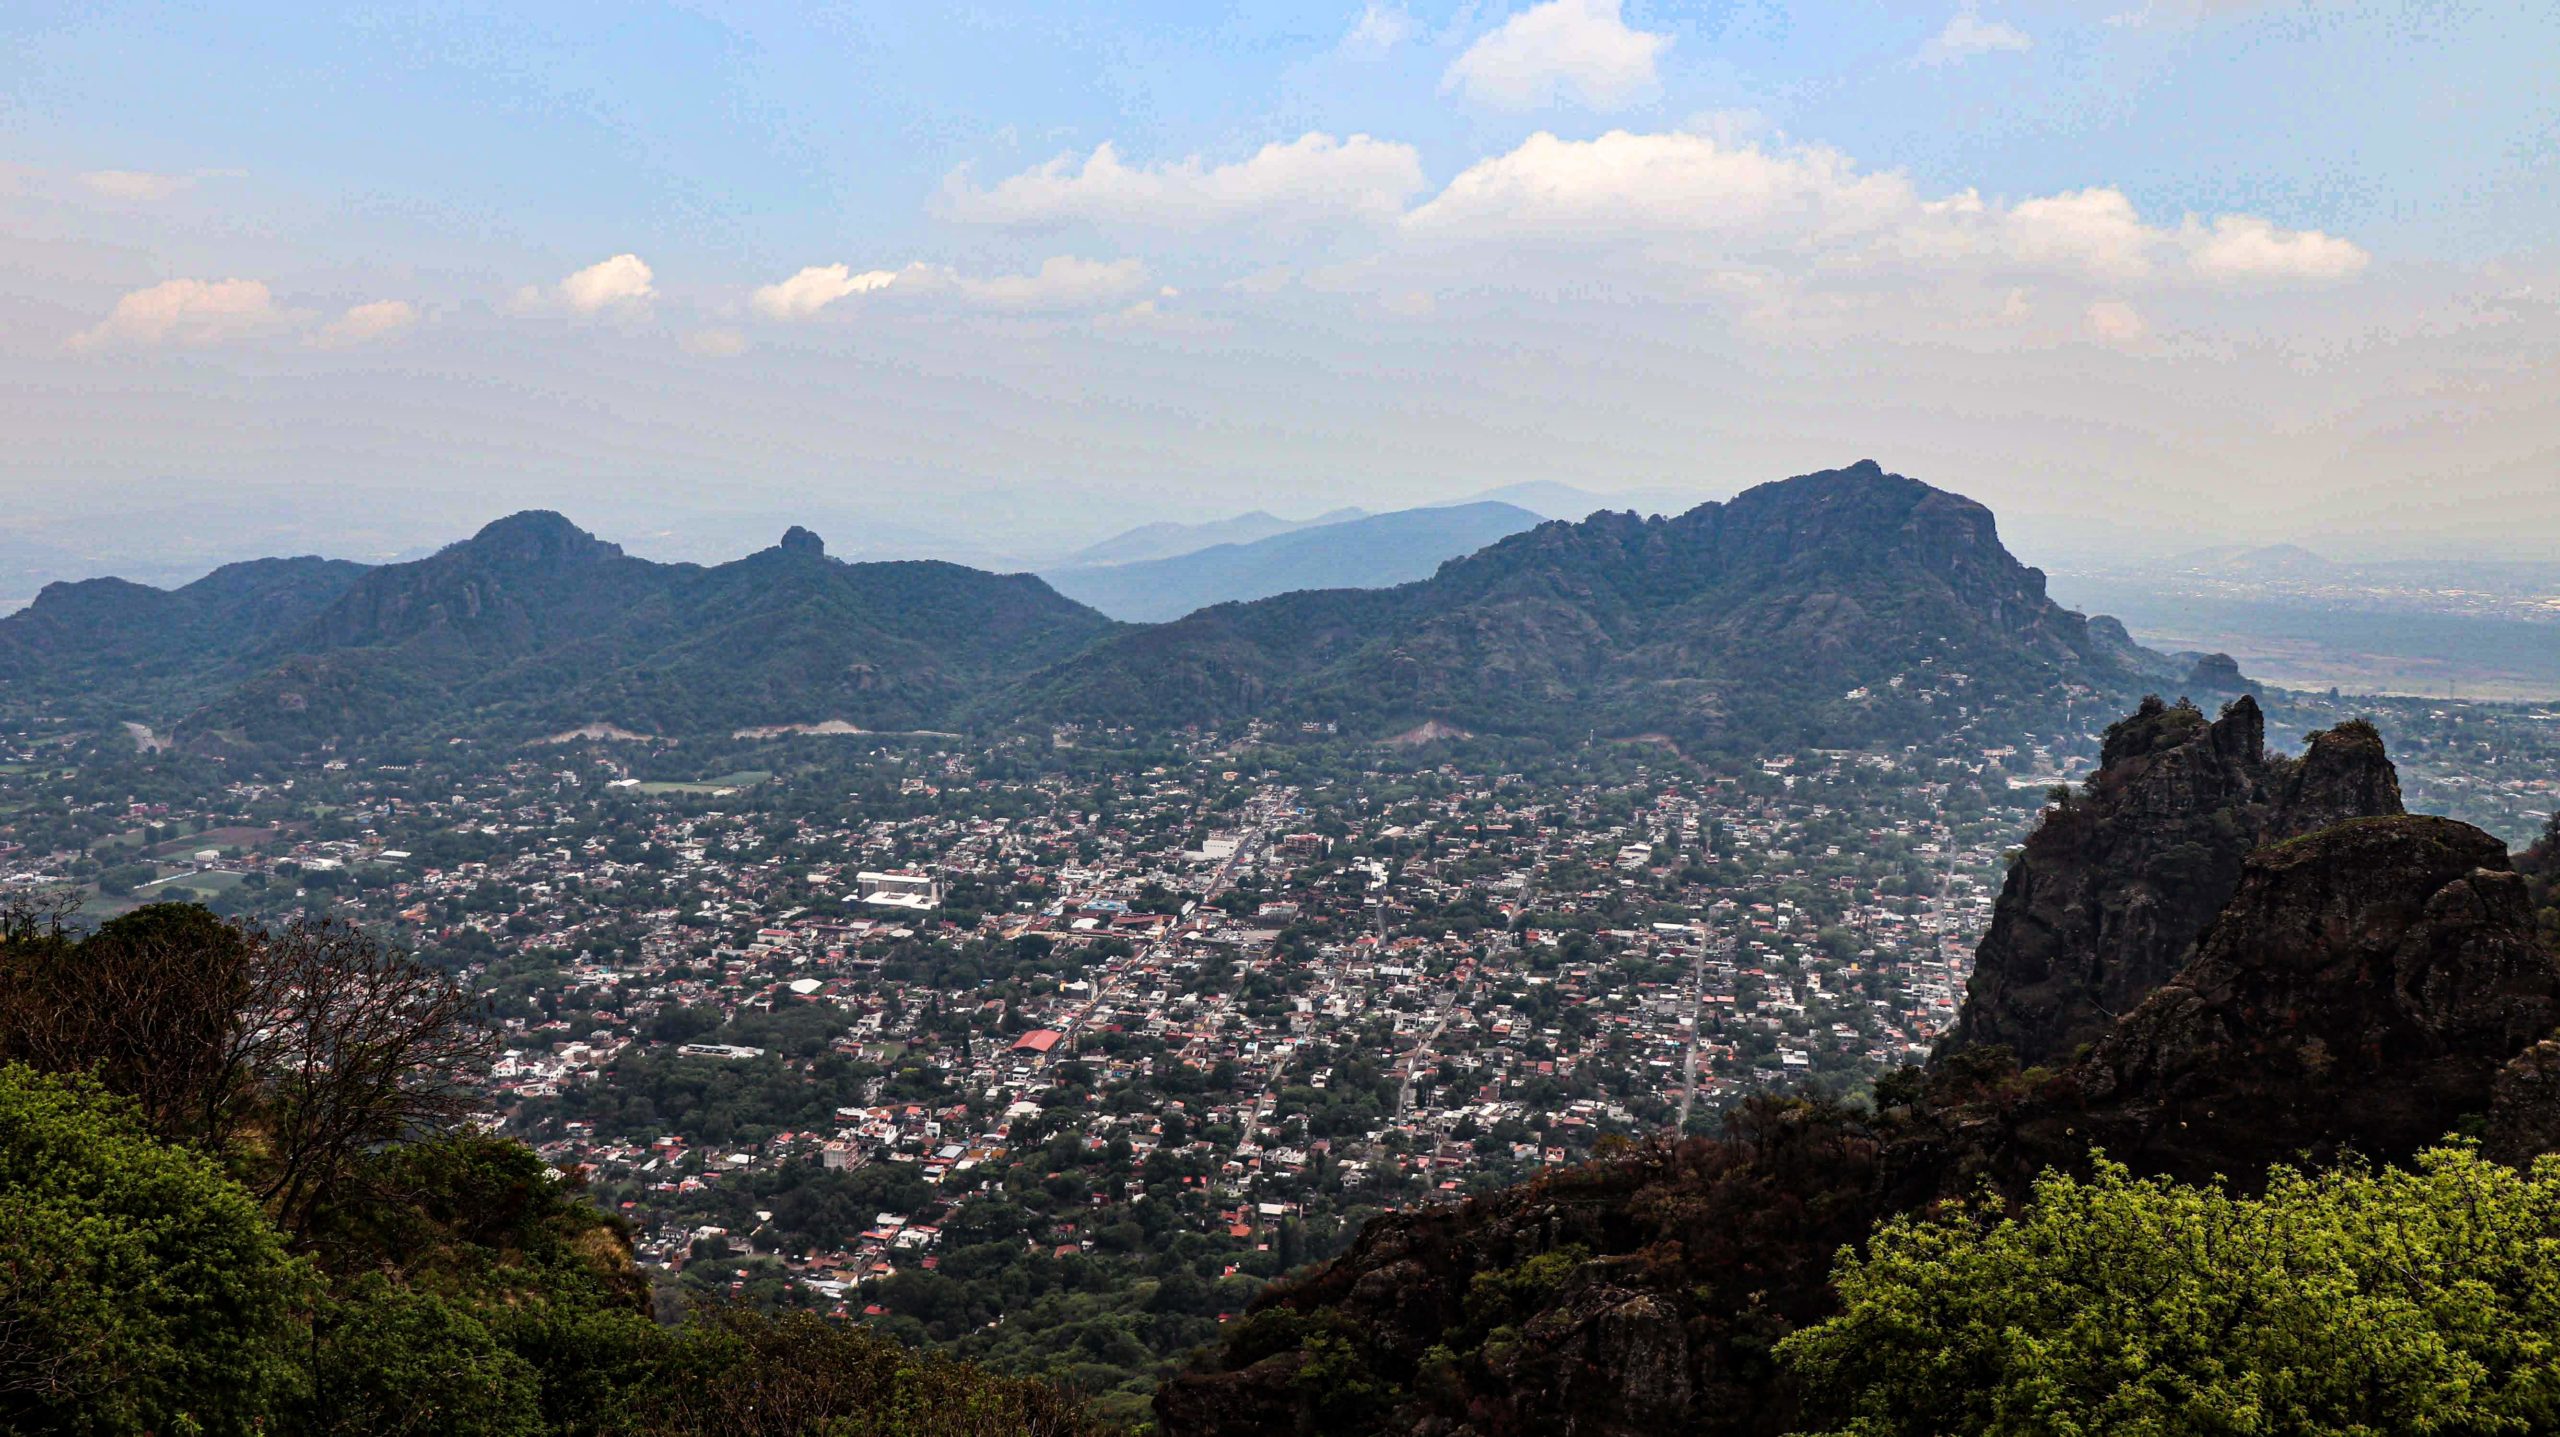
(1785, 615)
(1851, 606)
(113, 642)
(537, 624)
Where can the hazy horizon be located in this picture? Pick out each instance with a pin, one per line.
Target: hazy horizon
(2140, 277)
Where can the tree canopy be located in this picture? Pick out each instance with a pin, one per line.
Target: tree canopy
(2355, 1301)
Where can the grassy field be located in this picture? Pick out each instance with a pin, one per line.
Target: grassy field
(744, 778)
(178, 886)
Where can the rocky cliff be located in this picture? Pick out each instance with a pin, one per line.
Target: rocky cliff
(2115, 885)
(2363, 985)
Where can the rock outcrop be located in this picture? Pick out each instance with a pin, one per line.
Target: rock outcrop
(2112, 890)
(2360, 992)
(2302, 972)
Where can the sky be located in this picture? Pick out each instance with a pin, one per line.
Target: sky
(992, 280)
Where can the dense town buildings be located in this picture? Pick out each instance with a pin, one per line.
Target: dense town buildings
(897, 1028)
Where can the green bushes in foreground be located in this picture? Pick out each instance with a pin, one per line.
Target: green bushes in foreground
(2357, 1301)
(455, 1288)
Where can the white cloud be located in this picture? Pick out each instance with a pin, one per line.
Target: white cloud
(186, 312)
(134, 184)
(2116, 322)
(1624, 185)
(2095, 231)
(1967, 34)
(1577, 49)
(2245, 247)
(816, 287)
(715, 343)
(623, 279)
(1312, 179)
(1379, 29)
(367, 323)
(1693, 205)
(1061, 282)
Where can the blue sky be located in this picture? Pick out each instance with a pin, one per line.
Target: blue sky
(2170, 268)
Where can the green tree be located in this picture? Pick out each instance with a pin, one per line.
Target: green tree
(390, 1360)
(2358, 1301)
(140, 1290)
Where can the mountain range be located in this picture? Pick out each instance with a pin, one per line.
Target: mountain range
(1363, 551)
(1166, 539)
(1840, 606)
(1845, 604)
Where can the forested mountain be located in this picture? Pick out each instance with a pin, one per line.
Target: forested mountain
(1832, 606)
(1849, 606)
(112, 642)
(534, 623)
(1361, 553)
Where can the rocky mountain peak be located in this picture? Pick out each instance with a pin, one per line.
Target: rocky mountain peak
(796, 540)
(2361, 990)
(2344, 773)
(2112, 890)
(535, 538)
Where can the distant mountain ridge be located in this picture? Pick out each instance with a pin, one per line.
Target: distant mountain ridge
(1785, 613)
(119, 640)
(1166, 539)
(1374, 551)
(1848, 606)
(535, 621)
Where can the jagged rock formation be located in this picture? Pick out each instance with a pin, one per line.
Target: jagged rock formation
(2110, 892)
(2361, 991)
(2362, 983)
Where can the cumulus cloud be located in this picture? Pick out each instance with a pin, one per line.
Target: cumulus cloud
(2245, 247)
(186, 312)
(1623, 184)
(2095, 231)
(621, 280)
(1967, 34)
(368, 323)
(134, 184)
(1695, 203)
(816, 287)
(1582, 50)
(2116, 322)
(1379, 29)
(1313, 179)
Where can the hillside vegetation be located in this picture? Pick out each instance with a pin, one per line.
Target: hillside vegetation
(239, 1194)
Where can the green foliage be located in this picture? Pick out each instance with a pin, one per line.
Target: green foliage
(1495, 1299)
(140, 1290)
(389, 1359)
(2359, 1301)
(735, 1374)
(449, 1284)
